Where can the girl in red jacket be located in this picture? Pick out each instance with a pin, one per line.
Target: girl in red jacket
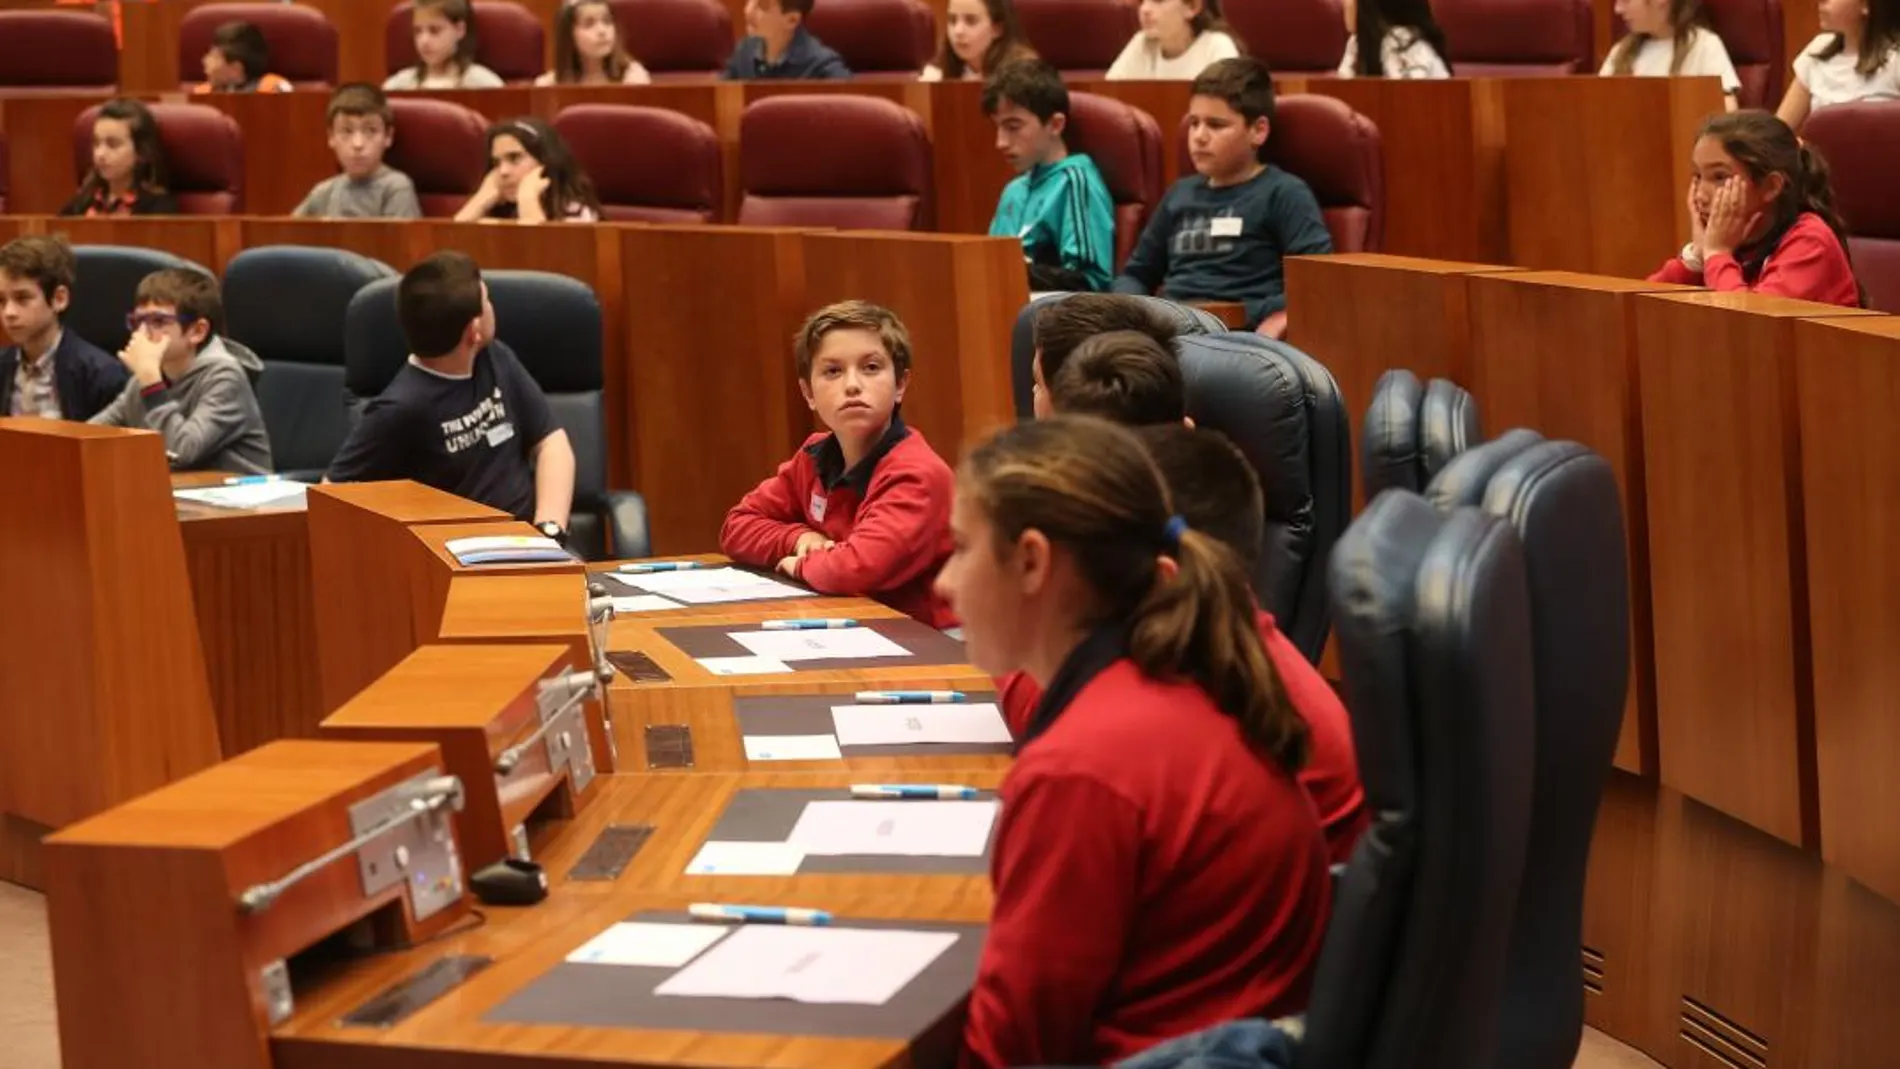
(1157, 870)
(1761, 216)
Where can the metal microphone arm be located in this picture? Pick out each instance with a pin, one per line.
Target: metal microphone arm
(581, 685)
(425, 798)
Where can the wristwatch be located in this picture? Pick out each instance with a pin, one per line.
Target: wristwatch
(552, 530)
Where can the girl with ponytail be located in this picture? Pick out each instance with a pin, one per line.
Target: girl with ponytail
(1761, 216)
(1157, 869)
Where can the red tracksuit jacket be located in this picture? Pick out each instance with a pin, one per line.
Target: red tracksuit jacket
(1808, 263)
(890, 518)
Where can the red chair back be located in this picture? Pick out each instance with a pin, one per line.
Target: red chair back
(851, 162)
(676, 176)
(1125, 143)
(204, 155)
(302, 41)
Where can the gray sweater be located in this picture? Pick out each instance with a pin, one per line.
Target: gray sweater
(209, 417)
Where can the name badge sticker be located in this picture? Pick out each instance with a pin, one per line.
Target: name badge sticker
(1224, 226)
(500, 432)
(817, 508)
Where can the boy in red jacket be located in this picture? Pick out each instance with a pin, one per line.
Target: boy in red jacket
(865, 509)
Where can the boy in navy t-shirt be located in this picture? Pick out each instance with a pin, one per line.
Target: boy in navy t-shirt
(463, 415)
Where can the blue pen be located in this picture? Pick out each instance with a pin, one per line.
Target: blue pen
(649, 567)
(909, 697)
(253, 480)
(806, 625)
(934, 791)
(713, 911)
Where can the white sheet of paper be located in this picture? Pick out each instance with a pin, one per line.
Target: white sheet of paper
(791, 748)
(896, 725)
(643, 603)
(644, 943)
(745, 859)
(863, 966)
(709, 586)
(907, 828)
(743, 666)
(840, 644)
(248, 496)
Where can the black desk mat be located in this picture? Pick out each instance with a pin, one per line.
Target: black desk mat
(927, 645)
(627, 584)
(810, 714)
(621, 996)
(768, 814)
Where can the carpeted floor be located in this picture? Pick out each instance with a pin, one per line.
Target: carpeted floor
(31, 1041)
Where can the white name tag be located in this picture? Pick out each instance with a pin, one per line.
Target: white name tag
(1225, 226)
(817, 508)
(500, 433)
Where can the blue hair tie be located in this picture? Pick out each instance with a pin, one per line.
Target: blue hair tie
(1172, 532)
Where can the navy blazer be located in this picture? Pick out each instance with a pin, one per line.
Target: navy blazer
(805, 57)
(86, 376)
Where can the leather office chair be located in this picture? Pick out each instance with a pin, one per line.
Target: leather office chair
(1753, 33)
(204, 155)
(1861, 142)
(1292, 36)
(676, 176)
(851, 162)
(1080, 38)
(1411, 431)
(442, 147)
(1022, 341)
(1562, 500)
(877, 36)
(552, 322)
(303, 43)
(675, 39)
(57, 52)
(300, 342)
(1433, 615)
(509, 40)
(105, 280)
(1495, 38)
(1125, 143)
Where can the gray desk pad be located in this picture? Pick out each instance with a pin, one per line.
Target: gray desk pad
(810, 714)
(621, 996)
(768, 814)
(926, 644)
(628, 583)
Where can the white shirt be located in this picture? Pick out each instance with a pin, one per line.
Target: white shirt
(1403, 54)
(934, 73)
(1835, 81)
(636, 75)
(474, 76)
(1706, 56)
(1142, 59)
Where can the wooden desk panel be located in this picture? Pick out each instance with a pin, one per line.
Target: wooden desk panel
(970, 172)
(39, 132)
(286, 151)
(1847, 377)
(204, 240)
(1734, 698)
(398, 244)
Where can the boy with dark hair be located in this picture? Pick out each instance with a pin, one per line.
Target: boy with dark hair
(463, 415)
(188, 383)
(1124, 377)
(48, 371)
(238, 61)
(1224, 232)
(779, 46)
(362, 127)
(1063, 325)
(1057, 205)
(864, 510)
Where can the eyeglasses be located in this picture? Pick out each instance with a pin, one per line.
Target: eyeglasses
(156, 320)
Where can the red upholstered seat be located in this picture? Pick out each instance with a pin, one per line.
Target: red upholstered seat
(1080, 38)
(442, 147)
(676, 38)
(648, 164)
(57, 51)
(839, 161)
(1862, 145)
(876, 36)
(509, 40)
(1293, 36)
(302, 41)
(1489, 38)
(204, 155)
(1125, 143)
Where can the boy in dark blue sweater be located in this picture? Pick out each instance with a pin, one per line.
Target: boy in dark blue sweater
(1222, 233)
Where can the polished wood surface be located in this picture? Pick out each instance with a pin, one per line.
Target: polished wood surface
(1728, 571)
(1847, 378)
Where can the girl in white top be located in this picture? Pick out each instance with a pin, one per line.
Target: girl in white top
(587, 48)
(978, 37)
(1671, 37)
(1409, 43)
(1857, 57)
(1178, 40)
(445, 46)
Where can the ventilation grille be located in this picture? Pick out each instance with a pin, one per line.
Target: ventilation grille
(1593, 964)
(1705, 1029)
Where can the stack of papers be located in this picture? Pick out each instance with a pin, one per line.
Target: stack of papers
(710, 586)
(845, 643)
(907, 829)
(642, 603)
(644, 943)
(861, 966)
(506, 549)
(900, 725)
(792, 748)
(247, 495)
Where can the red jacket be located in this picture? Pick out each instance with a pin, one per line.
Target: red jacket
(1808, 263)
(889, 515)
(1331, 775)
(1154, 875)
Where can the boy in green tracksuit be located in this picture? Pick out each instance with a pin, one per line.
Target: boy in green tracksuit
(1057, 204)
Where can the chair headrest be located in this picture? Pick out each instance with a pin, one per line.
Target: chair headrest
(1447, 425)
(553, 324)
(1022, 340)
(832, 146)
(1465, 478)
(1389, 456)
(57, 49)
(675, 35)
(310, 328)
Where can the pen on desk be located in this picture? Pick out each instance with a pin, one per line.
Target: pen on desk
(648, 567)
(806, 625)
(713, 911)
(253, 480)
(908, 697)
(935, 791)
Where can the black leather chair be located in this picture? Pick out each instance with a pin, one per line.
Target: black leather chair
(1022, 342)
(288, 304)
(1433, 618)
(553, 323)
(1562, 499)
(106, 279)
(1412, 431)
